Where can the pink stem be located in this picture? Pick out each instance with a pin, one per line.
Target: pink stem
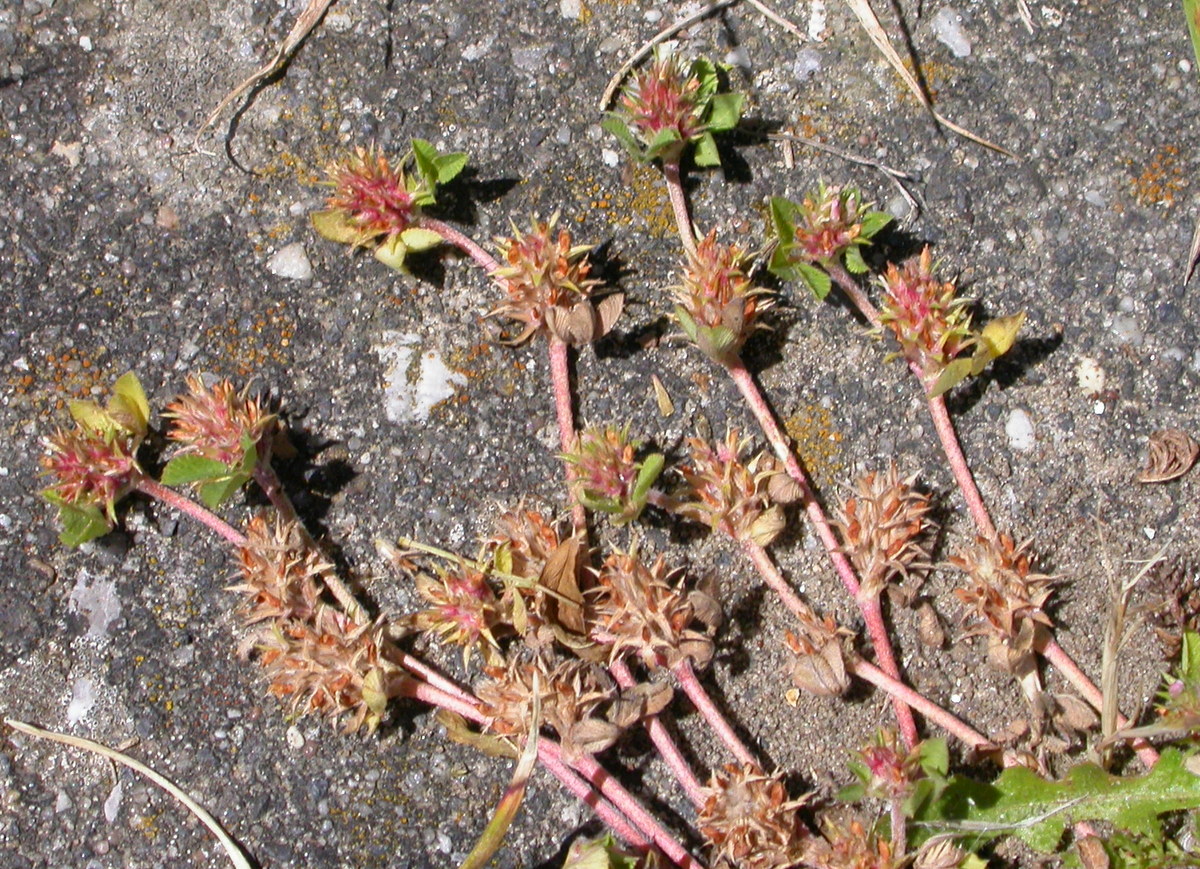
(816, 515)
(959, 466)
(687, 232)
(419, 668)
(937, 410)
(585, 793)
(868, 672)
(204, 516)
(482, 258)
(600, 778)
(774, 579)
(872, 613)
(691, 686)
(1065, 664)
(663, 741)
(560, 377)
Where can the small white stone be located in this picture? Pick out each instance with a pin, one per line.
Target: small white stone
(1019, 429)
(291, 262)
(62, 802)
(1090, 376)
(112, 805)
(295, 739)
(85, 42)
(1098, 408)
(570, 8)
(610, 157)
(947, 27)
(1149, 532)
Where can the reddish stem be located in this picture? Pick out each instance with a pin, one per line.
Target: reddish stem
(774, 579)
(959, 466)
(560, 377)
(663, 741)
(1065, 664)
(203, 515)
(482, 258)
(585, 793)
(868, 672)
(679, 206)
(816, 515)
(937, 410)
(872, 612)
(695, 692)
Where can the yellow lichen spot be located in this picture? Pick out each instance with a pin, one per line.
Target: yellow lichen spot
(818, 443)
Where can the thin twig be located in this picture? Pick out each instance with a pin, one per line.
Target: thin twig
(662, 36)
(771, 15)
(232, 849)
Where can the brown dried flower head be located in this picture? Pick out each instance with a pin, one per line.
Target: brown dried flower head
(717, 304)
(884, 528)
(217, 421)
(1005, 600)
(750, 821)
(848, 843)
(647, 612)
(731, 495)
(281, 576)
(571, 696)
(548, 289)
(463, 609)
(333, 666)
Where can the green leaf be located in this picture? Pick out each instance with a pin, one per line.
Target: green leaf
(664, 141)
(999, 335)
(425, 156)
(217, 492)
(705, 72)
(604, 852)
(706, 154)
(685, 322)
(449, 165)
(334, 225)
(92, 417)
(129, 406)
(725, 110)
(417, 239)
(647, 475)
(872, 222)
(79, 524)
(1189, 659)
(190, 468)
(934, 757)
(952, 375)
(1191, 10)
(616, 125)
(854, 260)
(783, 219)
(392, 253)
(1038, 811)
(816, 279)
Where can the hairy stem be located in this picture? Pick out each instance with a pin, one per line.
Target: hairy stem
(781, 444)
(187, 506)
(664, 742)
(674, 178)
(872, 612)
(560, 377)
(775, 581)
(481, 257)
(690, 683)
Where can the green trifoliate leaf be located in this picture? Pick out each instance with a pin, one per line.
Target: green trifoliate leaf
(815, 278)
(706, 154)
(872, 222)
(685, 322)
(725, 110)
(425, 157)
(190, 468)
(80, 523)
(855, 264)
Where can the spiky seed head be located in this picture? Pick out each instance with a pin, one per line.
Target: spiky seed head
(547, 286)
(90, 468)
(1005, 600)
(665, 96)
(375, 198)
(750, 821)
(217, 421)
(281, 576)
(645, 611)
(847, 842)
(717, 304)
(608, 476)
(932, 326)
(884, 527)
(828, 222)
(463, 609)
(729, 494)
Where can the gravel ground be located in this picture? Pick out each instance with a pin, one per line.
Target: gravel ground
(126, 248)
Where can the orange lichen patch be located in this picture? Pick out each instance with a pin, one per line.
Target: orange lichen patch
(246, 351)
(933, 75)
(57, 376)
(1160, 180)
(818, 443)
(639, 200)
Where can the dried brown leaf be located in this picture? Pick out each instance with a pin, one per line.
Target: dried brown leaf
(561, 576)
(640, 701)
(1172, 454)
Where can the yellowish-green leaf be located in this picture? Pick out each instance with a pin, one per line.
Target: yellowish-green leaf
(391, 253)
(334, 225)
(129, 406)
(417, 239)
(1000, 334)
(1191, 10)
(952, 375)
(92, 416)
